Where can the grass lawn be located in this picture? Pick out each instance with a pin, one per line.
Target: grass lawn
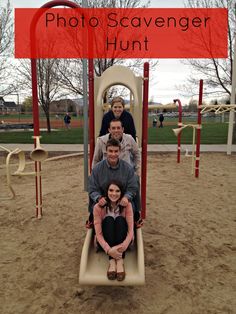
(211, 133)
(72, 136)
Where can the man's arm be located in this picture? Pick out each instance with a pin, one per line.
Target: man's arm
(98, 155)
(105, 124)
(132, 183)
(93, 186)
(131, 126)
(136, 156)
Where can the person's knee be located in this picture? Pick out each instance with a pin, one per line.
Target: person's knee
(108, 225)
(109, 219)
(120, 219)
(120, 222)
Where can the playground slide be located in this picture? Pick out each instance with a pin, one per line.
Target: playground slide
(93, 265)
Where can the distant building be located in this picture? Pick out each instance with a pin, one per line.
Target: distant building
(152, 107)
(1, 102)
(79, 105)
(7, 106)
(66, 105)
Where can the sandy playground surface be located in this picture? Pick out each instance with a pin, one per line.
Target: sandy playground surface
(189, 238)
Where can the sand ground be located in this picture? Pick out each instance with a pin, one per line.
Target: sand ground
(189, 239)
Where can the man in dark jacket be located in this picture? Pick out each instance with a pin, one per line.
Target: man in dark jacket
(161, 119)
(67, 119)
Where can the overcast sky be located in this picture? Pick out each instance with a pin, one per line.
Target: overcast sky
(168, 73)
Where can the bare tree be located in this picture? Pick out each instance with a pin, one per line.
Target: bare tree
(6, 48)
(217, 73)
(71, 70)
(48, 82)
(71, 80)
(102, 64)
(64, 77)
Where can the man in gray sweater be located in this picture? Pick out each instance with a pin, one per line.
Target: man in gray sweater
(129, 148)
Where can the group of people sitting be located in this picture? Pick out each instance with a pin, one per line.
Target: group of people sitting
(114, 196)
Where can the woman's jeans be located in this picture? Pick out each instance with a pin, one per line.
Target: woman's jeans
(114, 230)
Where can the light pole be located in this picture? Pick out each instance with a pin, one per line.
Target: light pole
(85, 113)
(232, 102)
(18, 104)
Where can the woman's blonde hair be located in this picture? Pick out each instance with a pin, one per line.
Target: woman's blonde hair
(118, 99)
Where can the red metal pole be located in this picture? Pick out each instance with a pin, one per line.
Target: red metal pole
(179, 124)
(35, 97)
(55, 3)
(199, 121)
(91, 111)
(37, 165)
(144, 138)
(38, 181)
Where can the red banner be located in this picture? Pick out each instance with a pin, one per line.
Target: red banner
(121, 33)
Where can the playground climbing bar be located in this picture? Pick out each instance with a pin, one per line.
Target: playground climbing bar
(199, 122)
(144, 137)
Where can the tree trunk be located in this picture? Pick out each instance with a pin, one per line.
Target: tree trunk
(234, 131)
(48, 123)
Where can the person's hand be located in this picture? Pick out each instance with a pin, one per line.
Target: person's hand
(124, 201)
(102, 201)
(119, 248)
(114, 252)
(138, 172)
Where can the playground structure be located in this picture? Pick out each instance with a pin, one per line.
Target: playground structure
(92, 264)
(198, 126)
(97, 88)
(217, 109)
(177, 132)
(21, 171)
(38, 155)
(119, 75)
(138, 86)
